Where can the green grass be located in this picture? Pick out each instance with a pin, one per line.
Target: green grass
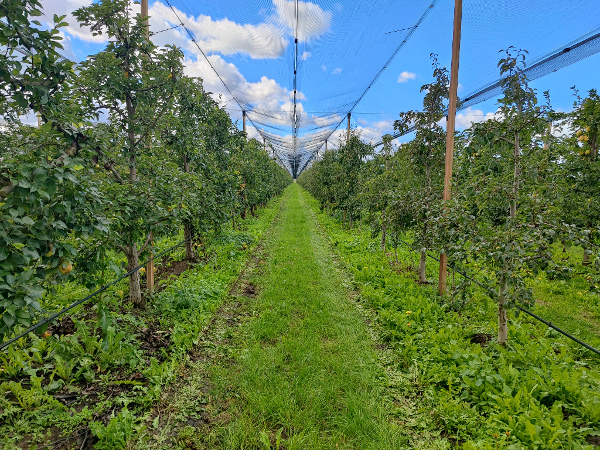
(570, 305)
(303, 371)
(308, 364)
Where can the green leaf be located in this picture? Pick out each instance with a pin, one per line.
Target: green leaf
(8, 319)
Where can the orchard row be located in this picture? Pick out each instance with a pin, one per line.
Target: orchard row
(129, 149)
(525, 187)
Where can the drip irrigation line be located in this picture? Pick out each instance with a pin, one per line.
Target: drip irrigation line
(83, 300)
(526, 311)
(551, 325)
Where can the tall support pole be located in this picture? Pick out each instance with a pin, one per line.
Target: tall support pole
(244, 121)
(450, 125)
(325, 144)
(265, 145)
(145, 14)
(150, 265)
(348, 133)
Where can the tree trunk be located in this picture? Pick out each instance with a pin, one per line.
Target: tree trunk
(502, 318)
(587, 260)
(344, 217)
(243, 213)
(135, 292)
(188, 234)
(383, 228)
(422, 266)
(351, 220)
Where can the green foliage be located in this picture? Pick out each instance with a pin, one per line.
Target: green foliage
(103, 362)
(31, 70)
(534, 393)
(334, 179)
(120, 429)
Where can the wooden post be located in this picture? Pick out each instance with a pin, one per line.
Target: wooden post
(450, 125)
(244, 121)
(348, 133)
(150, 265)
(145, 14)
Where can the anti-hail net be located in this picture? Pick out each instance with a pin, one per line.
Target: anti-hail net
(298, 68)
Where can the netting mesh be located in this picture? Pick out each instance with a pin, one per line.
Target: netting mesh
(308, 64)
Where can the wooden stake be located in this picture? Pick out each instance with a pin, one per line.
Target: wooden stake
(150, 267)
(348, 134)
(450, 125)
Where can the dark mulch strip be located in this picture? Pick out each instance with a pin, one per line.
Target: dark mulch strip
(481, 338)
(153, 340)
(250, 290)
(593, 440)
(63, 327)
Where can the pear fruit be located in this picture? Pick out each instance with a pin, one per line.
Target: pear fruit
(65, 267)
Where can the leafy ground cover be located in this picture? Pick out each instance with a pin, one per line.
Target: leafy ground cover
(540, 391)
(91, 380)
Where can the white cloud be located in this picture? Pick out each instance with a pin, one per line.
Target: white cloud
(265, 93)
(224, 36)
(468, 117)
(305, 55)
(324, 69)
(299, 95)
(313, 21)
(336, 71)
(405, 76)
(66, 7)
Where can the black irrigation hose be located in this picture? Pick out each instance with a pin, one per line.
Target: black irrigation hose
(526, 311)
(83, 300)
(551, 325)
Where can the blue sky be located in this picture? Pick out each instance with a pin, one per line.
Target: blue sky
(342, 46)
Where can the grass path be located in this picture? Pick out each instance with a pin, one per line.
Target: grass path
(294, 366)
